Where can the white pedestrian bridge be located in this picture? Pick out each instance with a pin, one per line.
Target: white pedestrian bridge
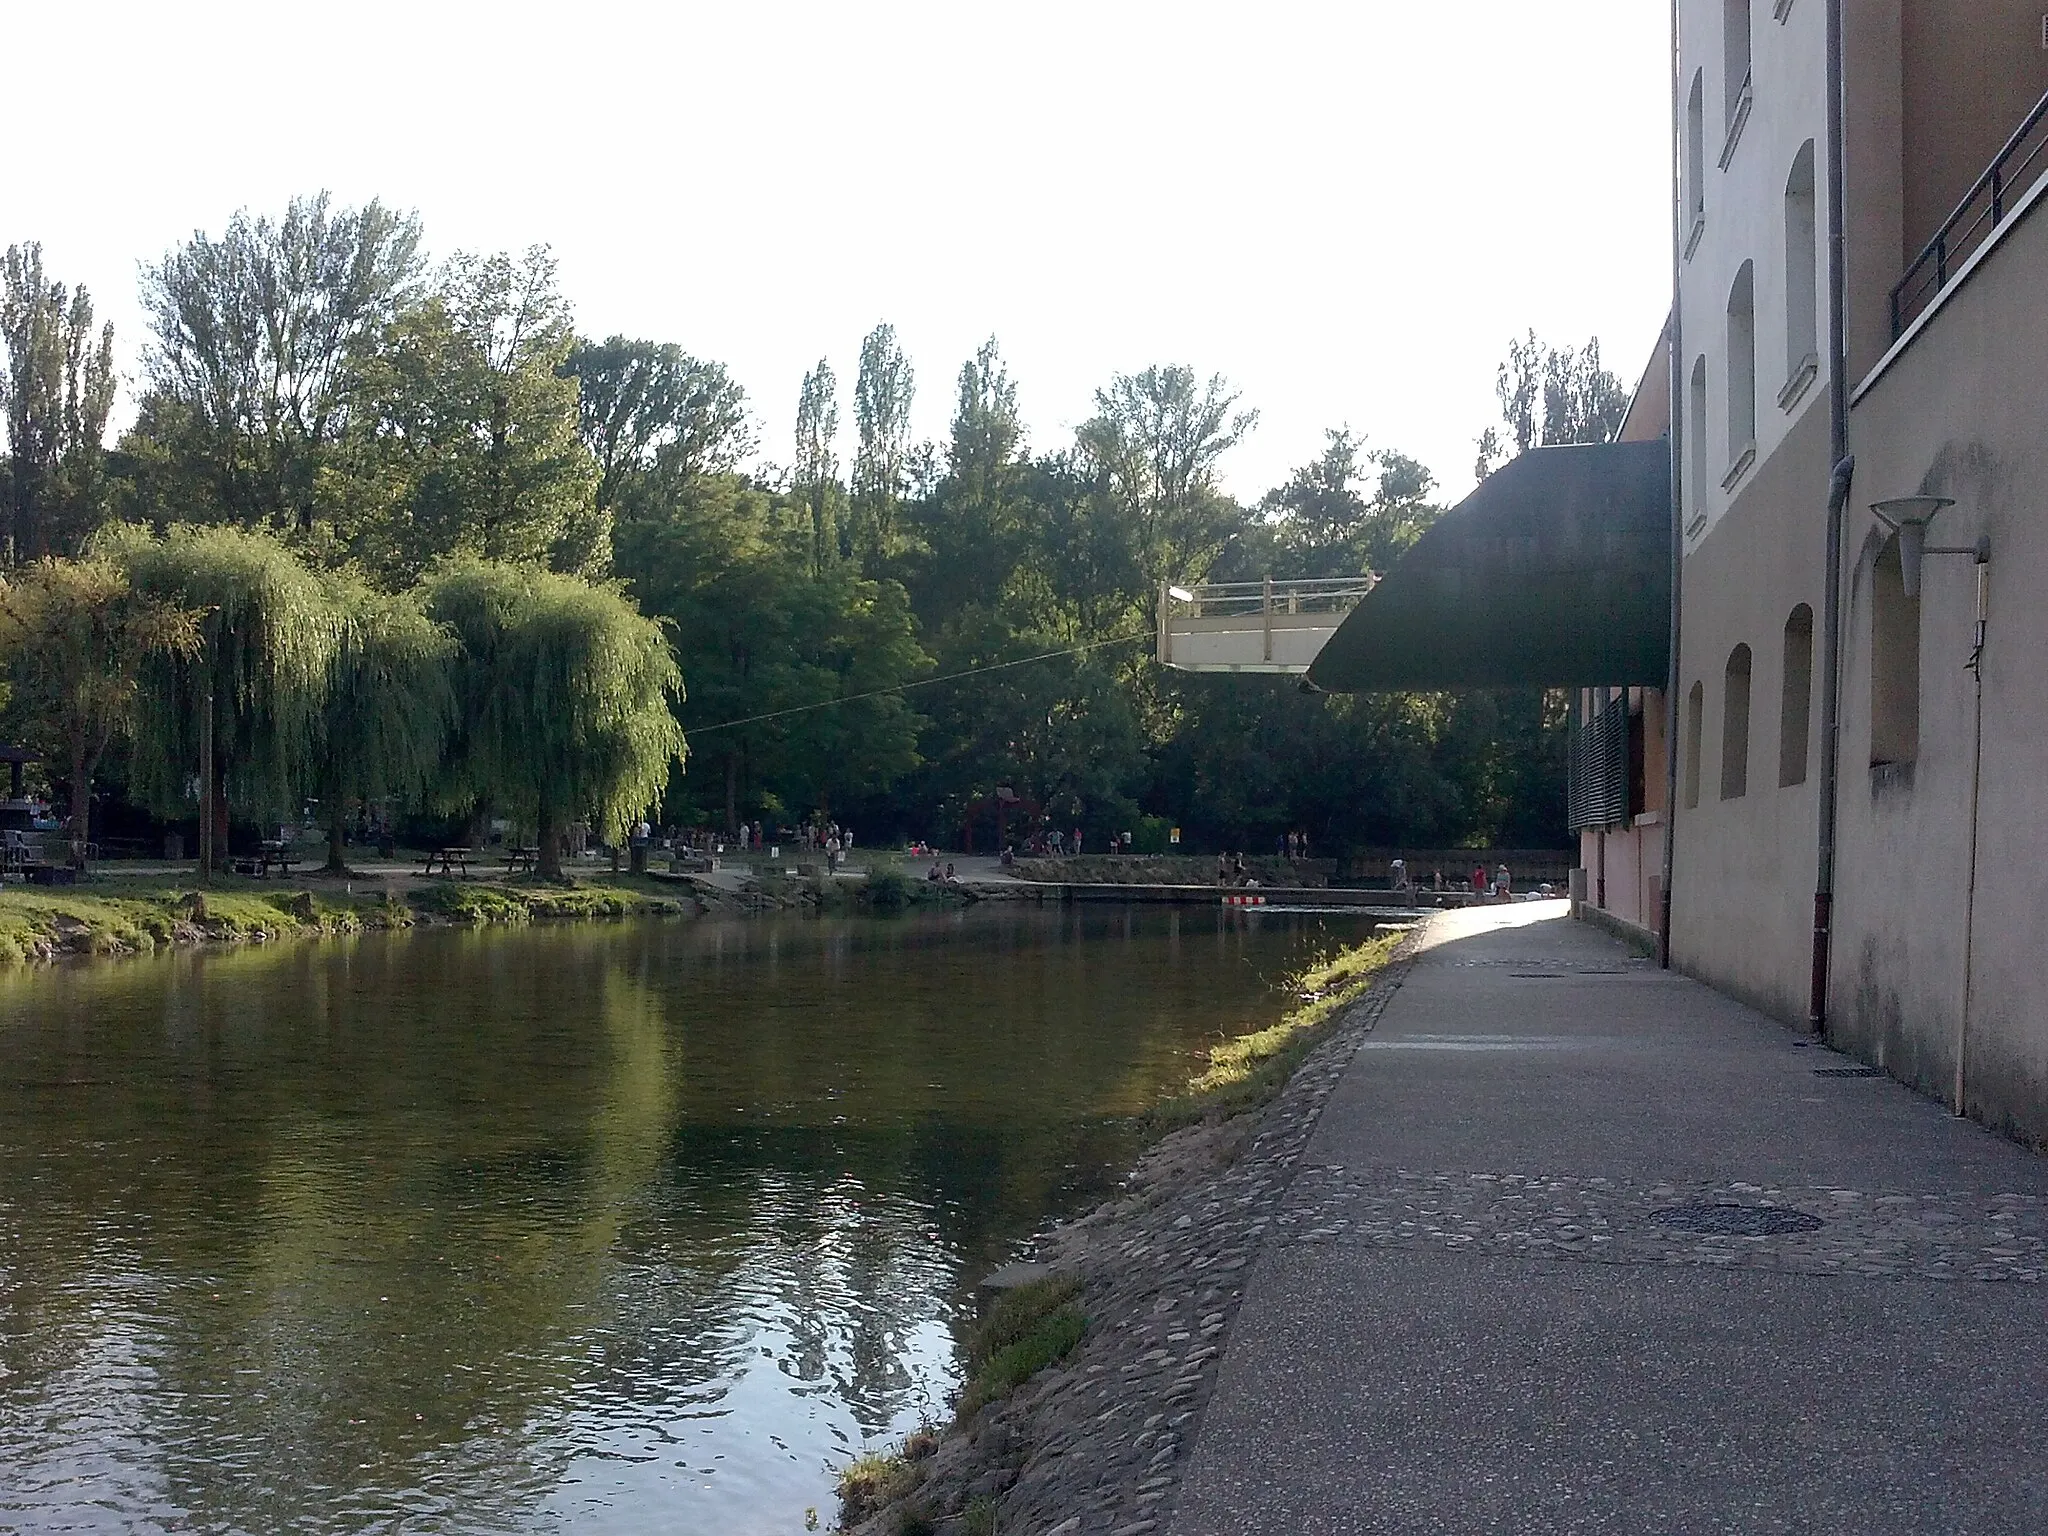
(1254, 626)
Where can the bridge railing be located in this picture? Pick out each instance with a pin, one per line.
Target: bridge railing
(1304, 613)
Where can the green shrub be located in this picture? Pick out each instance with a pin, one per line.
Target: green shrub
(887, 891)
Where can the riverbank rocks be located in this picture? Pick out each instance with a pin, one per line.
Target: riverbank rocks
(1095, 1445)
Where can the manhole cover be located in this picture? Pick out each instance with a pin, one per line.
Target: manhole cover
(1728, 1220)
(1848, 1072)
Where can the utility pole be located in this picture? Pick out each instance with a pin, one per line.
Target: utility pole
(206, 782)
(206, 748)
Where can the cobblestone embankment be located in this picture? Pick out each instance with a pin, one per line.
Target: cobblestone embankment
(1097, 1445)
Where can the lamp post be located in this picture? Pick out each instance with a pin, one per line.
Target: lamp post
(1908, 517)
(206, 848)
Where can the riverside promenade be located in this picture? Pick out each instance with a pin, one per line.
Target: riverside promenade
(1576, 1245)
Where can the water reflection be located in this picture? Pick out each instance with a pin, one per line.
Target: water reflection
(601, 1229)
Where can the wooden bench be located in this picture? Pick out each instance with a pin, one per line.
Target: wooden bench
(451, 861)
(517, 859)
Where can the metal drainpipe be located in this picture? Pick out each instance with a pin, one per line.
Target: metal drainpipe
(1838, 499)
(1676, 437)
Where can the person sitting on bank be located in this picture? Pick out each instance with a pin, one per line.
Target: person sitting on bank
(951, 878)
(1503, 884)
(936, 873)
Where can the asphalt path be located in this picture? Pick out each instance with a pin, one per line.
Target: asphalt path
(1578, 1245)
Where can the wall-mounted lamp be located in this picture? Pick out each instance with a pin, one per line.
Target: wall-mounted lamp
(1908, 517)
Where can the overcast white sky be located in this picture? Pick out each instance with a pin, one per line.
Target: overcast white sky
(1346, 208)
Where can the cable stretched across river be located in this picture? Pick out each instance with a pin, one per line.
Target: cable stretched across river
(920, 682)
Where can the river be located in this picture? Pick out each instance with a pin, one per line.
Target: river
(645, 1227)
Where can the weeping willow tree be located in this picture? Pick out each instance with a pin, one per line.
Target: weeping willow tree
(270, 635)
(388, 709)
(74, 639)
(563, 701)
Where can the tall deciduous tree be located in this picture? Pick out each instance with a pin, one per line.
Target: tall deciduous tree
(252, 335)
(464, 438)
(814, 477)
(763, 634)
(389, 705)
(644, 403)
(1328, 525)
(563, 697)
(74, 638)
(987, 433)
(883, 393)
(1153, 446)
(56, 392)
(1551, 396)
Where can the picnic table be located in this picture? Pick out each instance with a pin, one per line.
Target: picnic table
(271, 854)
(450, 861)
(517, 858)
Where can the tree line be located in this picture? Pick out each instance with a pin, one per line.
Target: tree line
(422, 542)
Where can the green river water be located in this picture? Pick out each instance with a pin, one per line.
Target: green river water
(646, 1227)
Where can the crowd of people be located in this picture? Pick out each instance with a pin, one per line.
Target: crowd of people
(1498, 886)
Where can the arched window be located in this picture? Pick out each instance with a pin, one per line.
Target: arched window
(1894, 662)
(1696, 443)
(1735, 726)
(1695, 159)
(1735, 81)
(1742, 365)
(1695, 707)
(1795, 705)
(1802, 321)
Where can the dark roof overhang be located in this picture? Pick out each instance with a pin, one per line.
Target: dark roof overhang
(1555, 572)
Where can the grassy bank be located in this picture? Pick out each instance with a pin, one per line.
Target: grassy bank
(1247, 1071)
(120, 914)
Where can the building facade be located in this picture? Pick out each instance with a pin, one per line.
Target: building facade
(1922, 352)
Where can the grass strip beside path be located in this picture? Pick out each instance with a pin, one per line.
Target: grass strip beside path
(1249, 1070)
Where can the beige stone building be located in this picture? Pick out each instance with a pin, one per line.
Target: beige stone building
(1862, 797)
(1853, 394)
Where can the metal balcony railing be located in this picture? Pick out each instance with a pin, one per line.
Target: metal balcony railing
(1215, 599)
(1253, 626)
(1976, 216)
